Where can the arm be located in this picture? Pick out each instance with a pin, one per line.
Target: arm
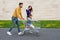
(19, 15)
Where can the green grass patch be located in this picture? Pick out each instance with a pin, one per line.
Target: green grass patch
(50, 23)
(41, 23)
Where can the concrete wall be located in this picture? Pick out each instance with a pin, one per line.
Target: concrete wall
(42, 9)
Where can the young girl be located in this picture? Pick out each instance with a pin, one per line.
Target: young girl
(29, 10)
(29, 27)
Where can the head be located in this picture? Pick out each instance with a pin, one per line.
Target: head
(20, 5)
(30, 8)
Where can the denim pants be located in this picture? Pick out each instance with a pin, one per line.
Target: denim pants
(14, 21)
(29, 21)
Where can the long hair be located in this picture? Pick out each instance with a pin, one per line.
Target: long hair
(31, 8)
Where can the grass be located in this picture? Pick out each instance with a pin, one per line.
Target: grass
(50, 23)
(41, 23)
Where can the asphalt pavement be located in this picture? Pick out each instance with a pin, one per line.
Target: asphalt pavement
(44, 34)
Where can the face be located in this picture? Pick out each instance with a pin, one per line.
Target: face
(21, 5)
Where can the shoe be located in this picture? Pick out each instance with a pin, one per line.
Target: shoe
(20, 33)
(9, 33)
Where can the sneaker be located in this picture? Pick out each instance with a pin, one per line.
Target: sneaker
(20, 33)
(9, 33)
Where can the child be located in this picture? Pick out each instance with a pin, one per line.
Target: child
(29, 10)
(29, 18)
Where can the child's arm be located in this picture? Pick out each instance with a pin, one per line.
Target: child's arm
(30, 19)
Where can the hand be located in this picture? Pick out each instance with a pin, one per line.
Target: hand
(21, 18)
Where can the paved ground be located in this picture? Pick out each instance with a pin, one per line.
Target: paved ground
(45, 34)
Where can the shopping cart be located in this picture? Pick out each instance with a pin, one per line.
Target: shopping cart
(34, 30)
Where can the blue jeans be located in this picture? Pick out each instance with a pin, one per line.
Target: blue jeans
(14, 21)
(29, 21)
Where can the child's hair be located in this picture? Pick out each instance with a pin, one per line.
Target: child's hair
(31, 8)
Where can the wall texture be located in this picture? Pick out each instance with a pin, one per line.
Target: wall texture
(42, 9)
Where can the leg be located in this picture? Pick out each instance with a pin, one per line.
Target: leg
(13, 23)
(17, 22)
(20, 33)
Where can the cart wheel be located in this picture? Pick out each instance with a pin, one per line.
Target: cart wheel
(36, 32)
